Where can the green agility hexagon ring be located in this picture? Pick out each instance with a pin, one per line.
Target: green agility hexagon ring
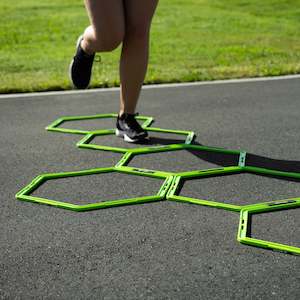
(25, 193)
(172, 194)
(55, 125)
(86, 142)
(245, 224)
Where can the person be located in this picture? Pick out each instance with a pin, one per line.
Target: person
(112, 23)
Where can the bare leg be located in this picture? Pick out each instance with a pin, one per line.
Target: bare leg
(107, 28)
(135, 51)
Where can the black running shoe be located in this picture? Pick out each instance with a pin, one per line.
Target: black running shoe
(130, 129)
(80, 69)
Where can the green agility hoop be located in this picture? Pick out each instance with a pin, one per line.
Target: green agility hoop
(220, 171)
(202, 174)
(234, 161)
(86, 141)
(24, 194)
(244, 225)
(54, 126)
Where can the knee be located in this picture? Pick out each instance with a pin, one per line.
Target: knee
(106, 42)
(139, 32)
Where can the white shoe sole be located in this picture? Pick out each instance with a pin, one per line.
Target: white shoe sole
(120, 133)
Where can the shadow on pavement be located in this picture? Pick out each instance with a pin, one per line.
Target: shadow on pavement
(225, 160)
(251, 160)
(159, 141)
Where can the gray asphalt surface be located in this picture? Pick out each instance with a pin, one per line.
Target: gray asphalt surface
(162, 250)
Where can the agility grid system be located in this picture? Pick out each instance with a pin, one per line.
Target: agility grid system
(172, 180)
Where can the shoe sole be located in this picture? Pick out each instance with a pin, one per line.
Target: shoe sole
(122, 134)
(71, 64)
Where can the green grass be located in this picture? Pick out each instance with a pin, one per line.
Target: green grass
(190, 40)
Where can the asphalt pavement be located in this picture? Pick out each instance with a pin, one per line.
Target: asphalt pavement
(160, 250)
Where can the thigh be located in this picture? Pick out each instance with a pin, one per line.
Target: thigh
(138, 14)
(106, 17)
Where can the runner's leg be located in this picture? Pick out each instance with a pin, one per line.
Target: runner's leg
(134, 57)
(107, 28)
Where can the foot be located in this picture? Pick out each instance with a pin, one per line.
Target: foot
(130, 129)
(80, 69)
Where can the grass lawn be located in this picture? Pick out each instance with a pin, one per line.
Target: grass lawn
(190, 40)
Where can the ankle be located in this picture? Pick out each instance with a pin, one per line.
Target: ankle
(85, 48)
(123, 112)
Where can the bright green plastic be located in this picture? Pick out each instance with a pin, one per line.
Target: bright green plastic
(54, 126)
(172, 180)
(124, 160)
(24, 194)
(86, 141)
(219, 171)
(130, 153)
(244, 225)
(182, 146)
(144, 172)
(203, 173)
